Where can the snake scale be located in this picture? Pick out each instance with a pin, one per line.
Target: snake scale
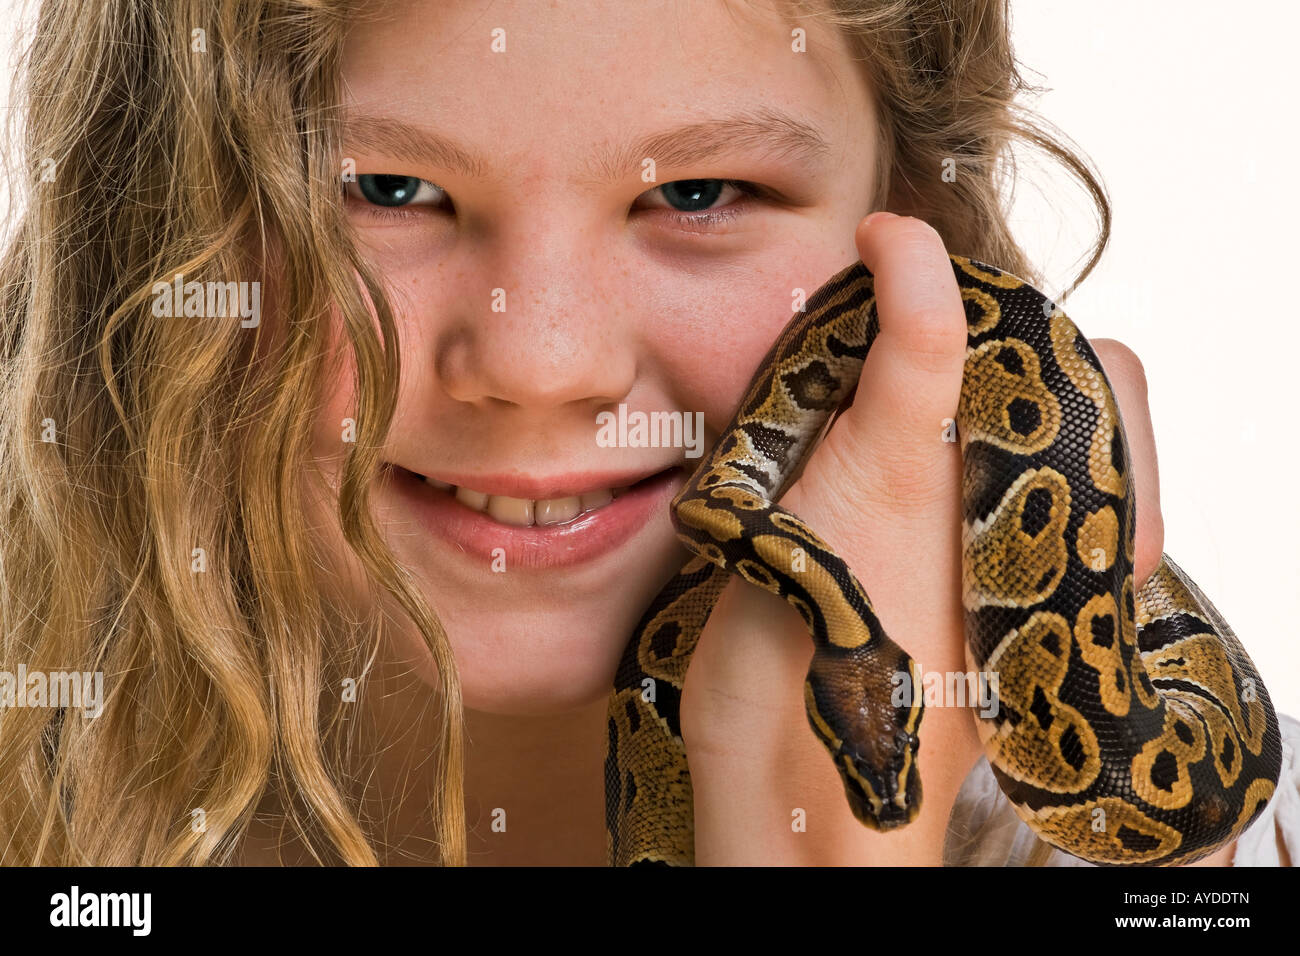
(1128, 728)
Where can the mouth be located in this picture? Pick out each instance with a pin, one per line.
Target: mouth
(570, 520)
(526, 512)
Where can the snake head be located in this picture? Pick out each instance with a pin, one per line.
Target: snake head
(866, 713)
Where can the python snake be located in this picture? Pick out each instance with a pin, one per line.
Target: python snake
(1128, 728)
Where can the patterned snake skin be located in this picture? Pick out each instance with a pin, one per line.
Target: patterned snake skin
(1129, 728)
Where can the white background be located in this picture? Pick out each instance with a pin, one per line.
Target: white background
(1188, 111)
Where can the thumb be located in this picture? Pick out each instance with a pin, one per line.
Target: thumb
(912, 378)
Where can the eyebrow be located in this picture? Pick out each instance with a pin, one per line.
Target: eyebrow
(765, 130)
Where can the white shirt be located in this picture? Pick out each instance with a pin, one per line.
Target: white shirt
(984, 830)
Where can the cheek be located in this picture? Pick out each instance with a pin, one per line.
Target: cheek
(714, 355)
(337, 399)
(319, 486)
(337, 396)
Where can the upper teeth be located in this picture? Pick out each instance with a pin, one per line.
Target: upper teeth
(530, 511)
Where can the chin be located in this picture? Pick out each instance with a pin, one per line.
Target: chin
(544, 674)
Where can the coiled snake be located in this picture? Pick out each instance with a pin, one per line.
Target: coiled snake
(1128, 728)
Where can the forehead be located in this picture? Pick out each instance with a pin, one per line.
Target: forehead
(566, 75)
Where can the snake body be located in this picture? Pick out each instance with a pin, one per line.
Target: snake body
(1128, 728)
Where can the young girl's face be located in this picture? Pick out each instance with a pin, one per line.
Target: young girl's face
(522, 189)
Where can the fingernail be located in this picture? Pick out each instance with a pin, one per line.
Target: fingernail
(876, 216)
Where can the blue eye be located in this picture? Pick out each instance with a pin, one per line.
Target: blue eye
(391, 191)
(692, 195)
(691, 202)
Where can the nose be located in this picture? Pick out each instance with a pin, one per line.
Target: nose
(547, 331)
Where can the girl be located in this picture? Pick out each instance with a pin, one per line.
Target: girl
(247, 522)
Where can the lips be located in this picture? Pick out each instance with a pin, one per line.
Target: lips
(554, 508)
(599, 526)
(526, 486)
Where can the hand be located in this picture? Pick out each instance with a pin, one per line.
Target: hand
(884, 490)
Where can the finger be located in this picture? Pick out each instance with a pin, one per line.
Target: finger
(922, 321)
(912, 378)
(1128, 381)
